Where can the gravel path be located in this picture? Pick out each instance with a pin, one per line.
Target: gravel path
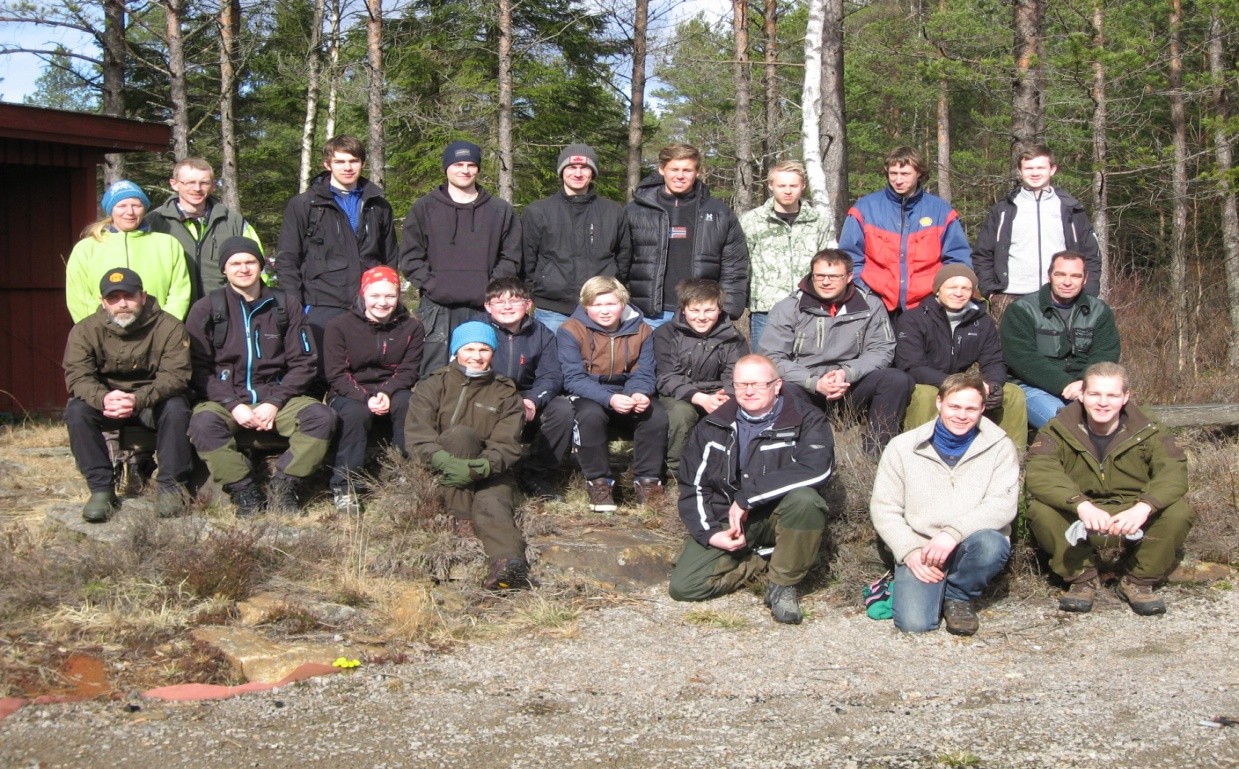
(638, 686)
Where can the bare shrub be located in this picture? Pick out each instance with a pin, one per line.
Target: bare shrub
(223, 563)
(1213, 490)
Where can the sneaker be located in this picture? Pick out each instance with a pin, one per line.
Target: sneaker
(170, 503)
(1079, 595)
(960, 617)
(248, 499)
(283, 494)
(507, 574)
(784, 603)
(100, 506)
(647, 491)
(346, 502)
(600, 497)
(1140, 597)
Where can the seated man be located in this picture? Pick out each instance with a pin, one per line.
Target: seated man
(948, 333)
(254, 358)
(943, 501)
(372, 356)
(465, 422)
(835, 341)
(128, 364)
(749, 486)
(695, 354)
(606, 352)
(1051, 336)
(1102, 468)
(529, 355)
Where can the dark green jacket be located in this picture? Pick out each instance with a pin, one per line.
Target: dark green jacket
(1042, 351)
(1143, 464)
(489, 404)
(201, 243)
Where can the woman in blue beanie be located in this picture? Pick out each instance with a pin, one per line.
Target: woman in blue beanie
(121, 239)
(465, 423)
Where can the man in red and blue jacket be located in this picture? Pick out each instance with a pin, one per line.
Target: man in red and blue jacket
(898, 237)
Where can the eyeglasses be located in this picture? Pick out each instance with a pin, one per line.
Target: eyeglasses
(759, 386)
(829, 278)
(196, 185)
(506, 302)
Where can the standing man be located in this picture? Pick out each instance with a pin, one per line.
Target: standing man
(1102, 468)
(835, 341)
(1025, 229)
(200, 222)
(332, 233)
(128, 364)
(780, 234)
(456, 241)
(749, 485)
(570, 237)
(678, 232)
(1053, 335)
(253, 359)
(899, 236)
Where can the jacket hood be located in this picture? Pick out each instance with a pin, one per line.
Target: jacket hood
(441, 194)
(651, 184)
(852, 300)
(724, 329)
(628, 321)
(171, 210)
(910, 200)
(1072, 420)
(975, 308)
(146, 317)
(321, 187)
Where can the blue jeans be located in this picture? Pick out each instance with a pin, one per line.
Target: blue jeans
(1042, 406)
(658, 320)
(757, 324)
(918, 605)
(549, 318)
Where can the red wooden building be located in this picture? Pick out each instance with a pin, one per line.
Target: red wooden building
(49, 192)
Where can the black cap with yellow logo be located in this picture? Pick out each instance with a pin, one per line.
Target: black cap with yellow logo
(120, 279)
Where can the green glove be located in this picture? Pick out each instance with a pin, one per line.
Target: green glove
(456, 474)
(439, 460)
(478, 468)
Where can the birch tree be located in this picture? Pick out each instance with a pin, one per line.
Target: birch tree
(1225, 166)
(1099, 120)
(314, 64)
(229, 34)
(1178, 184)
(833, 131)
(505, 100)
(811, 109)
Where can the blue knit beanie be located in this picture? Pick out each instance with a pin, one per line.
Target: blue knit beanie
(474, 331)
(123, 190)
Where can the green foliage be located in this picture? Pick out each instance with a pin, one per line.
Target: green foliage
(65, 84)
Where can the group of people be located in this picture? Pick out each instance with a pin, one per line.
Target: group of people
(582, 319)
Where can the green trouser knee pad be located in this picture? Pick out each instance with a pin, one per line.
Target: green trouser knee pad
(702, 573)
(226, 464)
(1164, 533)
(799, 520)
(682, 416)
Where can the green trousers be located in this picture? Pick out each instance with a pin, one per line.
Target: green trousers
(1012, 417)
(305, 422)
(1149, 559)
(682, 417)
(793, 527)
(488, 502)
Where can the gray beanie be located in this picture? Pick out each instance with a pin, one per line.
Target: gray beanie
(577, 154)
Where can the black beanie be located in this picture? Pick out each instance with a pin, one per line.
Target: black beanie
(238, 244)
(462, 150)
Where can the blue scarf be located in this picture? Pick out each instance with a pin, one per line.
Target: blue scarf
(951, 447)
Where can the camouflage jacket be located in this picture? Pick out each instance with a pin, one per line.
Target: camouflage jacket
(779, 252)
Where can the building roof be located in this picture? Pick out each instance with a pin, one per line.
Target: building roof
(98, 132)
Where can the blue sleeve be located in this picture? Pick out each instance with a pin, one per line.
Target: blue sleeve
(955, 248)
(852, 242)
(548, 377)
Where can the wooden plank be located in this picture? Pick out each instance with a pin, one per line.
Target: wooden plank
(1196, 414)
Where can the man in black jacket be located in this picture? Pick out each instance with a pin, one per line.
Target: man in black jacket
(678, 231)
(570, 237)
(749, 484)
(1024, 231)
(332, 233)
(456, 241)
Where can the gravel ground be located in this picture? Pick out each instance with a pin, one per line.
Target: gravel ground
(638, 686)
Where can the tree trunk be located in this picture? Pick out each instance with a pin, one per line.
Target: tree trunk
(377, 150)
(1178, 184)
(636, 109)
(1225, 162)
(229, 34)
(1027, 96)
(811, 109)
(176, 79)
(333, 69)
(833, 134)
(505, 100)
(113, 70)
(313, 60)
(1101, 198)
(944, 132)
(740, 76)
(772, 147)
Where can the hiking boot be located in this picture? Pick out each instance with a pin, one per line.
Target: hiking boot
(1079, 595)
(537, 485)
(647, 491)
(507, 574)
(100, 506)
(283, 494)
(960, 617)
(784, 603)
(1140, 597)
(170, 503)
(346, 502)
(248, 499)
(600, 497)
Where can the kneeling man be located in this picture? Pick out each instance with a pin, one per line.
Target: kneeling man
(1103, 464)
(943, 501)
(749, 482)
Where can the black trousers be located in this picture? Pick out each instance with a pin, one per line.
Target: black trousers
(170, 419)
(884, 394)
(649, 438)
(353, 433)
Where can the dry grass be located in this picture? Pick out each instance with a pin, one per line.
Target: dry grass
(716, 618)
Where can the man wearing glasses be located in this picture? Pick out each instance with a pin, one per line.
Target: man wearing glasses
(836, 342)
(200, 222)
(749, 482)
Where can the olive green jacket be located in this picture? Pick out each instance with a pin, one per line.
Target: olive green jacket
(489, 404)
